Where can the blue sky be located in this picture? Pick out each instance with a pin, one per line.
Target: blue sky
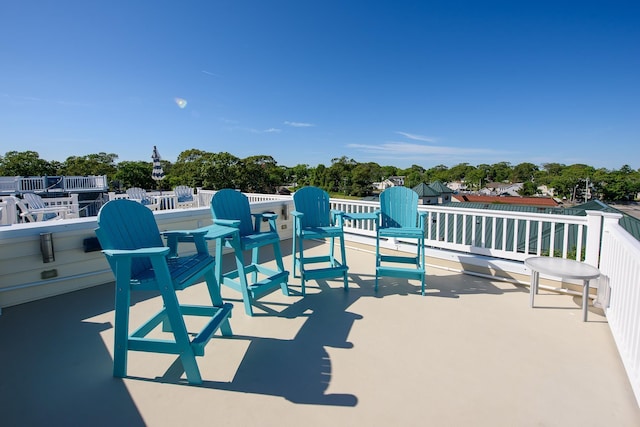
(392, 82)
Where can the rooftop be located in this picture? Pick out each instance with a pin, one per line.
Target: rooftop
(470, 352)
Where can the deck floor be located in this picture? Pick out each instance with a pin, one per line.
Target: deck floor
(469, 353)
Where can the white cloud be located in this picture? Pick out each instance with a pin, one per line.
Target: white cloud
(417, 137)
(299, 124)
(272, 130)
(407, 150)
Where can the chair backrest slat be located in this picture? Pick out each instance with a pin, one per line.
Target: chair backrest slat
(125, 224)
(313, 202)
(232, 204)
(183, 193)
(399, 207)
(34, 201)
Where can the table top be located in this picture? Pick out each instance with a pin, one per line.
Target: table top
(566, 268)
(216, 231)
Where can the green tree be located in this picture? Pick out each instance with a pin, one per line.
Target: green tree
(528, 189)
(413, 175)
(91, 164)
(524, 172)
(476, 178)
(189, 168)
(363, 176)
(25, 163)
(135, 174)
(459, 172)
(318, 176)
(259, 174)
(339, 175)
(221, 170)
(300, 175)
(499, 172)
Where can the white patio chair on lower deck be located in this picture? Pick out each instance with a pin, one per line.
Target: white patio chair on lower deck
(140, 195)
(33, 209)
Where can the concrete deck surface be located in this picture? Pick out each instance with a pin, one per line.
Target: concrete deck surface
(470, 353)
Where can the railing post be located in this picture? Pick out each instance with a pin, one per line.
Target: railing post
(594, 238)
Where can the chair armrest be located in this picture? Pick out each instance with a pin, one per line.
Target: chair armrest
(227, 222)
(194, 236)
(264, 216)
(181, 233)
(136, 253)
(297, 214)
(422, 215)
(337, 214)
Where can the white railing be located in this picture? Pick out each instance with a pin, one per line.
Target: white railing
(39, 184)
(620, 265)
(84, 183)
(70, 202)
(495, 233)
(204, 197)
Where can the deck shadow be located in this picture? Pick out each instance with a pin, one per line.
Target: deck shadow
(60, 371)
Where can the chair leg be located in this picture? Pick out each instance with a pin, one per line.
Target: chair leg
(278, 255)
(422, 264)
(377, 261)
(121, 333)
(255, 255)
(344, 262)
(179, 328)
(301, 265)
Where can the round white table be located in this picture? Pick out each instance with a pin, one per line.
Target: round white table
(565, 269)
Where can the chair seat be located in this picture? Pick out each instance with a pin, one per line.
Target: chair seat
(321, 232)
(254, 240)
(409, 233)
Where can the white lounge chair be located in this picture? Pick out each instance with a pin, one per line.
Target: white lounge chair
(185, 197)
(33, 209)
(140, 195)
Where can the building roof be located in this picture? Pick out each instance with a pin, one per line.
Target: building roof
(507, 200)
(424, 190)
(440, 187)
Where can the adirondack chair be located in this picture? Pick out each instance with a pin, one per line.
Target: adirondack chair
(140, 195)
(36, 210)
(399, 218)
(231, 208)
(184, 197)
(313, 218)
(133, 245)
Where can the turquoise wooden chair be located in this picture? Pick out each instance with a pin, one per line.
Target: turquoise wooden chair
(133, 245)
(314, 219)
(399, 218)
(231, 208)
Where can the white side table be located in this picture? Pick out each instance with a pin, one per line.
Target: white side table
(565, 269)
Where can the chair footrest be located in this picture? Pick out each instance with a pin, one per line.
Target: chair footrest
(137, 341)
(268, 285)
(199, 341)
(262, 287)
(399, 259)
(323, 273)
(405, 273)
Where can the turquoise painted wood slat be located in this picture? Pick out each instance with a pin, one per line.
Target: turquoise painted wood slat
(133, 245)
(399, 218)
(232, 208)
(313, 218)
